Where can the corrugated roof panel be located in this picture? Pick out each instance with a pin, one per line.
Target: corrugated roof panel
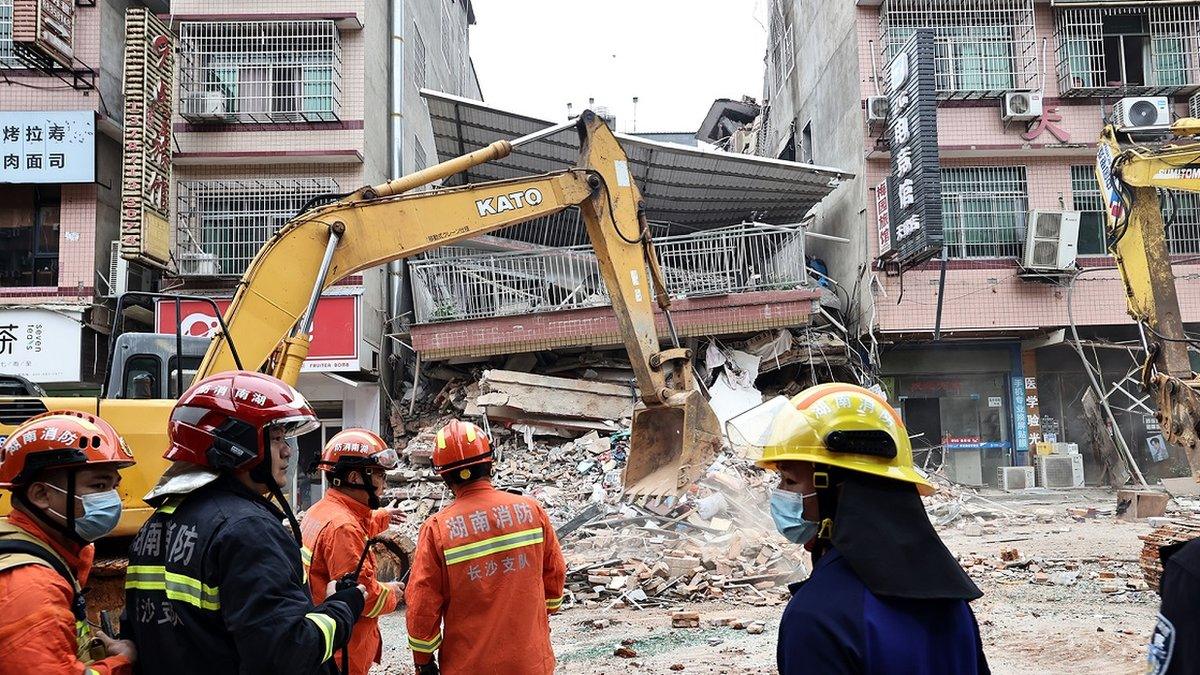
(690, 186)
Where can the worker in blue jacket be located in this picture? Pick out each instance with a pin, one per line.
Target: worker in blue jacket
(885, 595)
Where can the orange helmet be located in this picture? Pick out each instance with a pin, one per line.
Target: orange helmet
(460, 445)
(59, 440)
(355, 448)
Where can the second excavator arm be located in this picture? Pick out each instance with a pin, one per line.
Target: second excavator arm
(1130, 180)
(675, 432)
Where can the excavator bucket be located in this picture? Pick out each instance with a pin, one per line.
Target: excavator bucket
(671, 445)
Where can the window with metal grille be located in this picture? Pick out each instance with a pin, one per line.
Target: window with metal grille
(984, 211)
(1139, 49)
(260, 71)
(418, 58)
(1085, 198)
(1181, 213)
(7, 59)
(781, 52)
(983, 47)
(449, 37)
(222, 224)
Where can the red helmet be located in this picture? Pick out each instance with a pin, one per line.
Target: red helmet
(460, 445)
(355, 448)
(222, 422)
(58, 440)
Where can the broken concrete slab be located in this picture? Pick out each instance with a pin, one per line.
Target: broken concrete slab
(555, 402)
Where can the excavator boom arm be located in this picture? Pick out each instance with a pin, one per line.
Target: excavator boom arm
(675, 432)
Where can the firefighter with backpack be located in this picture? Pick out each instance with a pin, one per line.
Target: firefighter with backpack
(62, 469)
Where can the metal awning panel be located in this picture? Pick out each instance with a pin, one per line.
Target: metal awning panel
(691, 186)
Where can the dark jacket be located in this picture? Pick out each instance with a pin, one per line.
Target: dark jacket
(834, 624)
(215, 585)
(1175, 645)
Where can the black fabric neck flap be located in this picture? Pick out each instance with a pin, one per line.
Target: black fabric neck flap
(883, 532)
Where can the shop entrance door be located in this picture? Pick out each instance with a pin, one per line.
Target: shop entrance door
(923, 417)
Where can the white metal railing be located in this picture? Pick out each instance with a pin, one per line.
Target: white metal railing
(260, 71)
(1181, 212)
(1137, 49)
(7, 58)
(221, 225)
(983, 47)
(728, 260)
(984, 211)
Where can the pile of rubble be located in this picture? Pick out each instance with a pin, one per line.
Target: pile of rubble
(1113, 577)
(714, 542)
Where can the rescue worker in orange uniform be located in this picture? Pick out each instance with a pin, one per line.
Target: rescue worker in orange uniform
(487, 571)
(62, 470)
(336, 528)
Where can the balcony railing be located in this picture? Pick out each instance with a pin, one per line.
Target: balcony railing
(1136, 50)
(984, 48)
(260, 71)
(716, 262)
(7, 58)
(221, 225)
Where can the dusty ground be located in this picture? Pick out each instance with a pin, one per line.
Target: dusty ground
(1027, 628)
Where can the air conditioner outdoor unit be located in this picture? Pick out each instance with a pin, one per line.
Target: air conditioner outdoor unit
(1066, 449)
(1011, 478)
(199, 264)
(1060, 471)
(1051, 240)
(118, 270)
(1022, 106)
(964, 466)
(1142, 111)
(877, 108)
(1194, 105)
(210, 104)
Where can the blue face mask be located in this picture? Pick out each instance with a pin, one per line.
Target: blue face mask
(101, 513)
(787, 510)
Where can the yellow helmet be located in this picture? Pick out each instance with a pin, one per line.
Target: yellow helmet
(837, 424)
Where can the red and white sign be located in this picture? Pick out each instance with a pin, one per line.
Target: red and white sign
(334, 344)
(883, 218)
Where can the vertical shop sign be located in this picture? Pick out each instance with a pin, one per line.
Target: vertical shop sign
(146, 182)
(915, 191)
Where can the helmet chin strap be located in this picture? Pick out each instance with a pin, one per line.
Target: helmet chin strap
(264, 473)
(67, 530)
(364, 483)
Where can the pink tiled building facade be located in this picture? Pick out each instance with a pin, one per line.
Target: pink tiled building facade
(1002, 376)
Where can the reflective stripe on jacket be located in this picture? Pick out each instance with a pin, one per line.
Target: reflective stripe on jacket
(335, 530)
(486, 573)
(38, 629)
(215, 585)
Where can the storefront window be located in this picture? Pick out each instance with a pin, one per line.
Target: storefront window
(959, 423)
(29, 220)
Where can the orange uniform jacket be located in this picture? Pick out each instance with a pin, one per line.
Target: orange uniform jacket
(334, 531)
(487, 572)
(37, 627)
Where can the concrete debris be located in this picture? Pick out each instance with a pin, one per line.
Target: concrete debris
(554, 405)
(685, 619)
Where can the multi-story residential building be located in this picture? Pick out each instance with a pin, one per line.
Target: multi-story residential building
(282, 101)
(62, 116)
(1001, 376)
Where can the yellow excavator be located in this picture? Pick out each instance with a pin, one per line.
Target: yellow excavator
(267, 326)
(1131, 174)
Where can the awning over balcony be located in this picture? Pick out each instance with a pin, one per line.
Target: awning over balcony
(685, 185)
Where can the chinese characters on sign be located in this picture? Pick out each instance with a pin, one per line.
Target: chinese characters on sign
(42, 32)
(1048, 122)
(914, 191)
(146, 186)
(883, 218)
(48, 147)
(40, 344)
